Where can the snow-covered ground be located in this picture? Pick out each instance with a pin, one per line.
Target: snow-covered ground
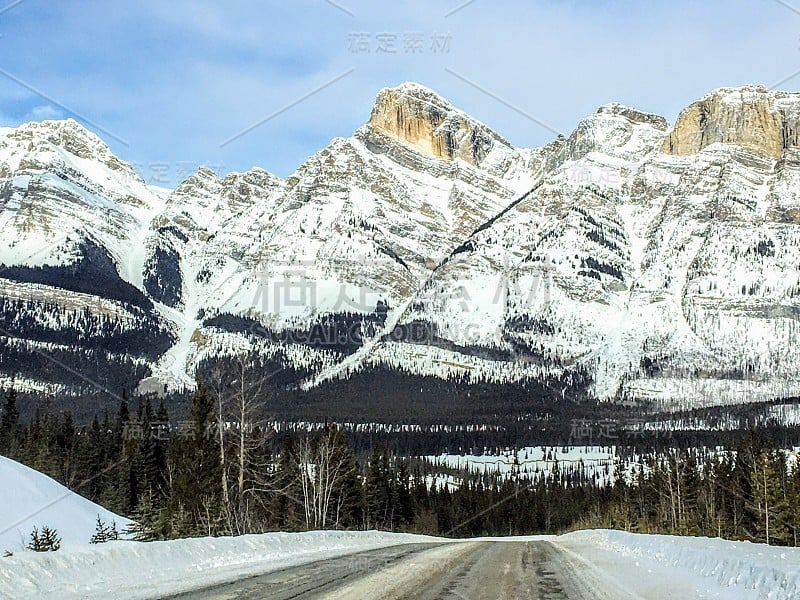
(786, 414)
(533, 462)
(661, 566)
(647, 566)
(30, 499)
(146, 570)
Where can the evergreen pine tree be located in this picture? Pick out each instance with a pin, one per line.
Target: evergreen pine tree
(9, 422)
(769, 480)
(405, 502)
(46, 540)
(285, 505)
(196, 490)
(379, 491)
(100, 535)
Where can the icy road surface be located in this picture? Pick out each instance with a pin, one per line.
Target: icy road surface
(484, 570)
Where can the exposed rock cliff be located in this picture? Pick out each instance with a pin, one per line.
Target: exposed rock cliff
(415, 115)
(753, 118)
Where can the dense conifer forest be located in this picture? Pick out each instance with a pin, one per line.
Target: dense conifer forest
(223, 469)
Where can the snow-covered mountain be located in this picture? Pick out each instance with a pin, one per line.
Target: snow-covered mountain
(655, 261)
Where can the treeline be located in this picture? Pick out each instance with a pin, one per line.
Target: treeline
(72, 369)
(141, 334)
(749, 493)
(206, 476)
(222, 472)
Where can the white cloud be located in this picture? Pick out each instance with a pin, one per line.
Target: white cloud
(45, 112)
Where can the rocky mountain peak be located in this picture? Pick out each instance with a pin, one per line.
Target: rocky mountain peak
(758, 119)
(33, 144)
(67, 134)
(204, 201)
(415, 115)
(202, 179)
(249, 186)
(634, 115)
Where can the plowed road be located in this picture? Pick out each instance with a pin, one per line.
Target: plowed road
(489, 570)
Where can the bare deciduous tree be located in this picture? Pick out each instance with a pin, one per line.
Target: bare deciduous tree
(242, 432)
(322, 465)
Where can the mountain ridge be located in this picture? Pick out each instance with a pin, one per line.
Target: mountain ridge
(616, 251)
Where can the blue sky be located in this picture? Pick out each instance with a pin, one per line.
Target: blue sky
(166, 84)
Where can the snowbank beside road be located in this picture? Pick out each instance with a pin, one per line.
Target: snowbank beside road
(647, 566)
(686, 567)
(129, 570)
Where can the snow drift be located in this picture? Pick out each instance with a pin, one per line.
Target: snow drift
(30, 499)
(146, 570)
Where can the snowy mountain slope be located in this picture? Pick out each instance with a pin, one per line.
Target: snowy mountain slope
(656, 262)
(638, 266)
(377, 212)
(72, 220)
(30, 499)
(62, 184)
